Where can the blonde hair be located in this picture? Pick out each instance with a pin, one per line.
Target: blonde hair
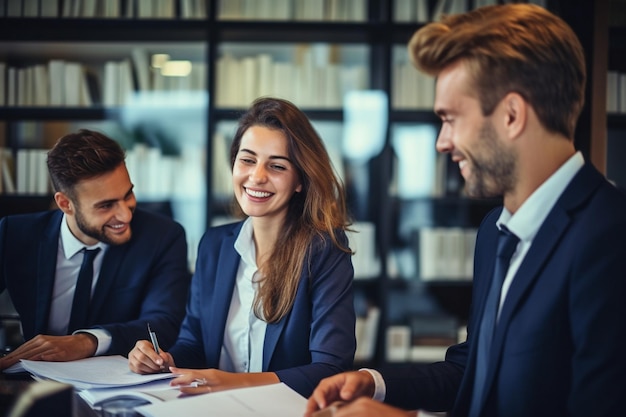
(513, 47)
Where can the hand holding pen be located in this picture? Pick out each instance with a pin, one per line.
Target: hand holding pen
(148, 357)
(153, 338)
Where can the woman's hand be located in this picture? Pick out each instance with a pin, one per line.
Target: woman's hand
(201, 381)
(143, 359)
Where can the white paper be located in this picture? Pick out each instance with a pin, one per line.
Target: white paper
(96, 372)
(155, 391)
(275, 400)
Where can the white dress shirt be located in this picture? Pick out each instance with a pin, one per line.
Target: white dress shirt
(69, 260)
(244, 335)
(527, 220)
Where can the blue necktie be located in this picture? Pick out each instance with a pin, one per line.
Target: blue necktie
(507, 242)
(82, 294)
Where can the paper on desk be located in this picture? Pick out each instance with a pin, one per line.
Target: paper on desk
(15, 368)
(276, 400)
(155, 391)
(96, 372)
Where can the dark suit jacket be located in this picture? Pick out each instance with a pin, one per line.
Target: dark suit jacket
(558, 346)
(315, 340)
(144, 280)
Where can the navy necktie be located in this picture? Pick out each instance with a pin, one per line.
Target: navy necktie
(82, 293)
(507, 243)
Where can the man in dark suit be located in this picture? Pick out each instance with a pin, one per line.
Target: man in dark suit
(510, 87)
(139, 273)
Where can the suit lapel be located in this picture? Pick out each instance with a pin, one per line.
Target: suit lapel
(544, 244)
(217, 312)
(274, 330)
(272, 334)
(46, 272)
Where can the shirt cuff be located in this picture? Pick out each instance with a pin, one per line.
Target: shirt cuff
(103, 339)
(380, 390)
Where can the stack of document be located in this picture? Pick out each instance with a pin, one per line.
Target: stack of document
(96, 372)
(152, 392)
(105, 378)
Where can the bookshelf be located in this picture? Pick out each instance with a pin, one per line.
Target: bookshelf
(616, 92)
(354, 53)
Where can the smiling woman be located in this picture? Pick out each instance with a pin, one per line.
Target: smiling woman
(271, 298)
(264, 178)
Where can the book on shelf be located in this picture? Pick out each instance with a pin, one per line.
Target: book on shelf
(7, 182)
(193, 9)
(145, 8)
(311, 80)
(431, 336)
(14, 8)
(22, 171)
(366, 333)
(49, 8)
(616, 92)
(421, 11)
(446, 253)
(411, 11)
(141, 68)
(11, 86)
(31, 172)
(447, 7)
(612, 91)
(30, 8)
(56, 74)
(67, 8)
(3, 80)
(41, 85)
(117, 84)
(111, 9)
(73, 75)
(22, 99)
(398, 343)
(411, 89)
(622, 93)
(362, 240)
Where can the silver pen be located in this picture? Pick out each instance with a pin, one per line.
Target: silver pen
(153, 338)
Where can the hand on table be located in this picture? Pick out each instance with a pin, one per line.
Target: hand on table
(53, 348)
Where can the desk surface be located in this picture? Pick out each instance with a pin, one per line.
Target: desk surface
(13, 385)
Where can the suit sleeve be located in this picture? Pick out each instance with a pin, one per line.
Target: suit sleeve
(597, 306)
(164, 296)
(332, 342)
(431, 387)
(189, 350)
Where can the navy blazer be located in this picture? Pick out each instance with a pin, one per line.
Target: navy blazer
(314, 340)
(558, 346)
(144, 280)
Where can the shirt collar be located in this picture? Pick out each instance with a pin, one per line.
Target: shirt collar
(527, 220)
(244, 245)
(71, 245)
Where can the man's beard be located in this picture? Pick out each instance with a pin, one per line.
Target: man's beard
(96, 233)
(493, 172)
